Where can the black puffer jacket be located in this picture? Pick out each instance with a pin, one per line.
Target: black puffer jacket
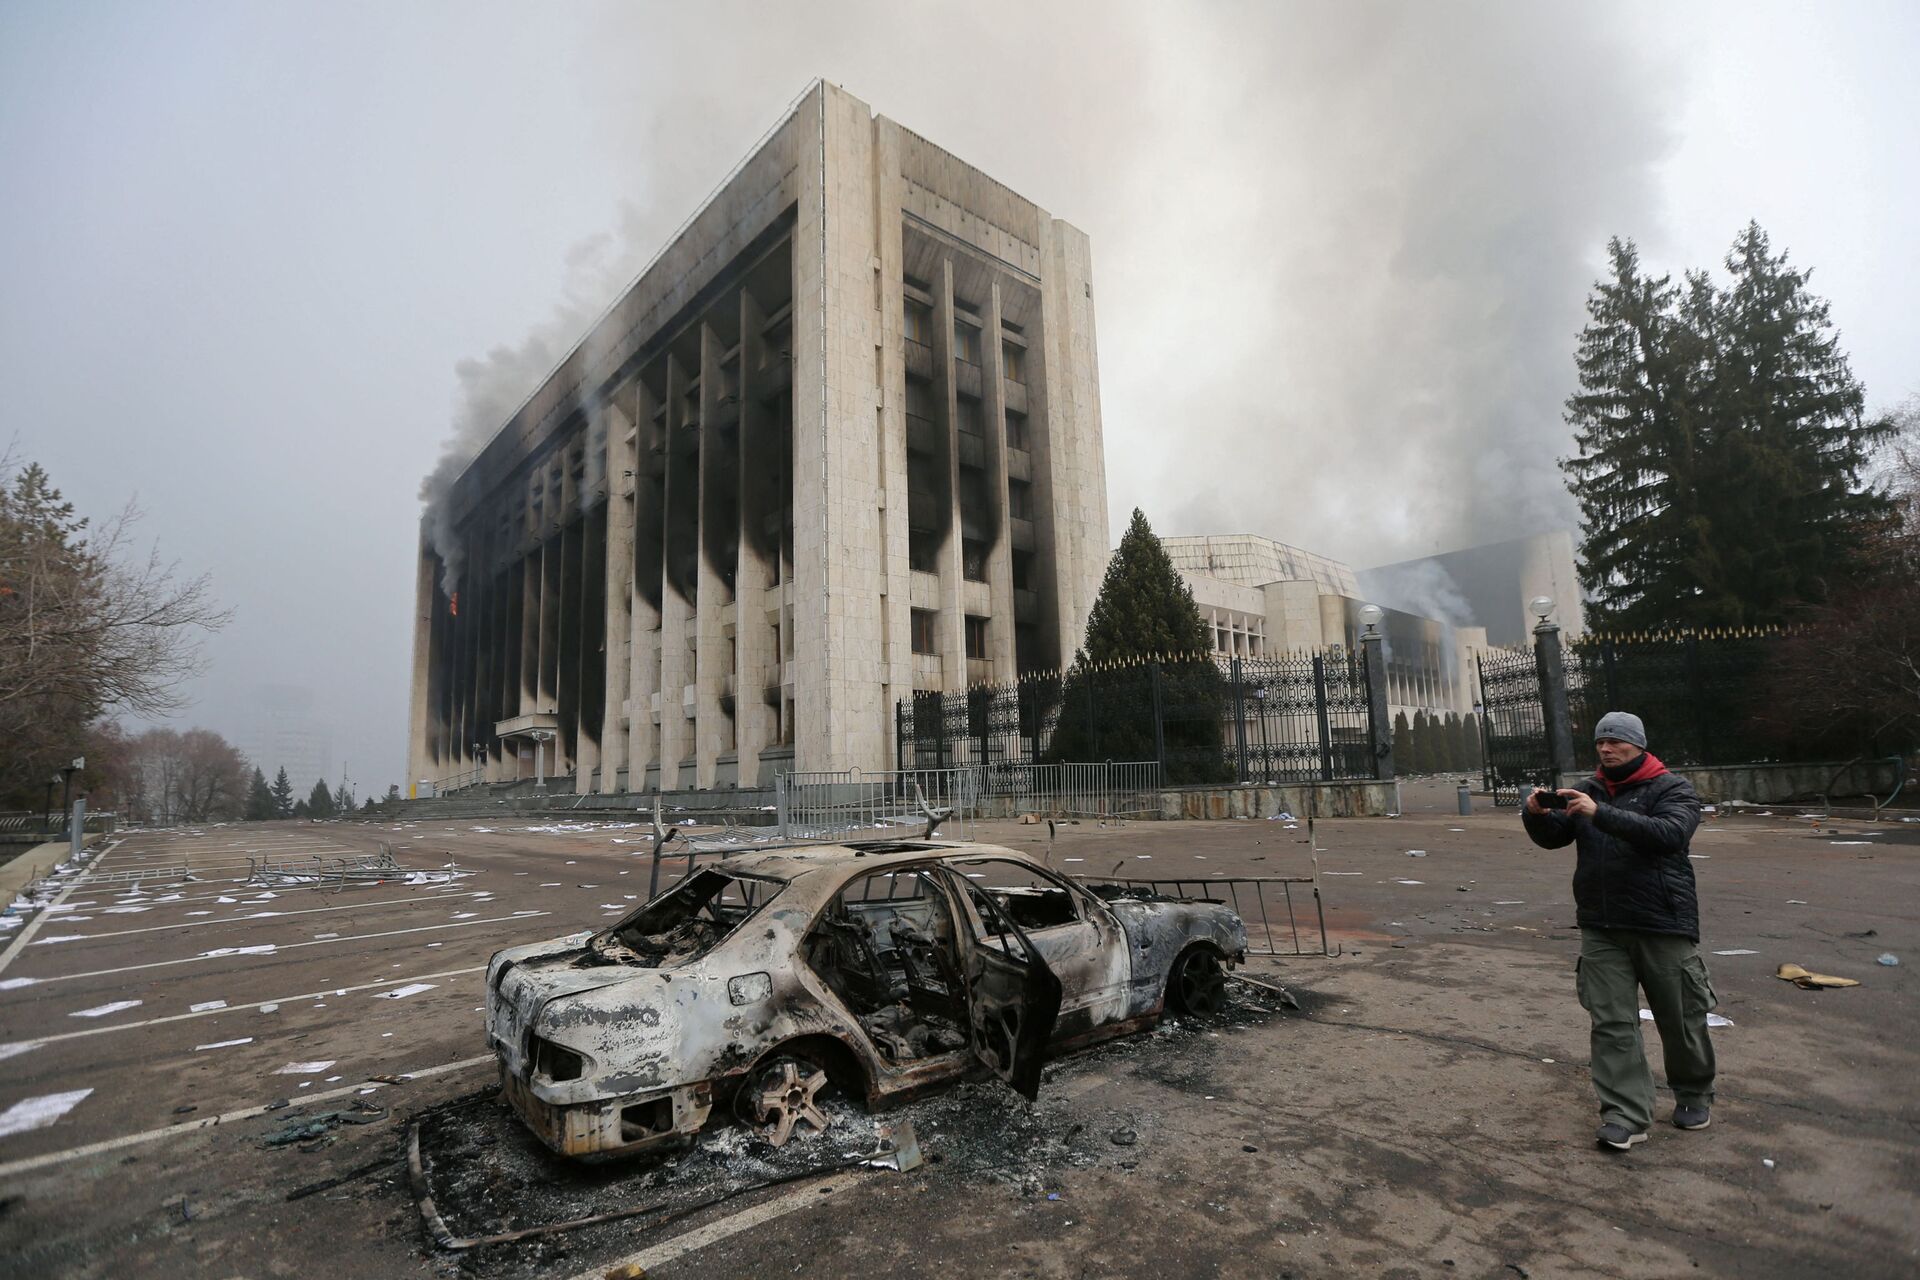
(1633, 871)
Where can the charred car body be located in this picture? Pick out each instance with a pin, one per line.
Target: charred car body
(887, 967)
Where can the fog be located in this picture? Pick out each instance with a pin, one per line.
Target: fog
(267, 267)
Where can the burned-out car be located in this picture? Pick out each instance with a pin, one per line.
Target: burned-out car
(888, 968)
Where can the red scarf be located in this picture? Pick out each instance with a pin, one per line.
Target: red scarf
(1648, 769)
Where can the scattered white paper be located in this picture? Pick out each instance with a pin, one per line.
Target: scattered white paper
(1409, 881)
(222, 1044)
(101, 1011)
(123, 911)
(1737, 951)
(401, 993)
(1511, 902)
(1849, 842)
(11, 984)
(1796, 902)
(206, 1006)
(304, 1068)
(64, 937)
(1339, 873)
(323, 937)
(17, 1048)
(465, 915)
(38, 1113)
(269, 1008)
(265, 949)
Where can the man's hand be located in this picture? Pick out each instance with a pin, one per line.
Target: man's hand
(1534, 806)
(1580, 804)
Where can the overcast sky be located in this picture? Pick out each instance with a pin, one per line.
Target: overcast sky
(254, 257)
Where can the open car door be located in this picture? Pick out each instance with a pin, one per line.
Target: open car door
(1013, 998)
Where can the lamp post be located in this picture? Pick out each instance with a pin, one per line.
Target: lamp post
(52, 782)
(67, 772)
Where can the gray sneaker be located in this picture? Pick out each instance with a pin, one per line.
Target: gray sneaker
(1687, 1116)
(1617, 1136)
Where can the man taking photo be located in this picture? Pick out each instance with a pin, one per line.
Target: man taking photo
(1639, 927)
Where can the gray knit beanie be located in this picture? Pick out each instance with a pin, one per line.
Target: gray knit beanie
(1621, 726)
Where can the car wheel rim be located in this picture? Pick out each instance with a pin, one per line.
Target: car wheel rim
(783, 1095)
(1203, 987)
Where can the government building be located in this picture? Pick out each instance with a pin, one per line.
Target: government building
(839, 443)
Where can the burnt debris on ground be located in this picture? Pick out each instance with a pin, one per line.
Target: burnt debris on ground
(488, 1175)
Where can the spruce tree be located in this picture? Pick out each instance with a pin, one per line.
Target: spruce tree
(283, 793)
(1792, 511)
(320, 801)
(1402, 744)
(1145, 617)
(1476, 756)
(342, 798)
(1721, 445)
(260, 806)
(300, 809)
(1636, 427)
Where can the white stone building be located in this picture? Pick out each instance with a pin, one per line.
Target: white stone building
(840, 442)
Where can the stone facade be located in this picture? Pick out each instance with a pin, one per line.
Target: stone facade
(840, 442)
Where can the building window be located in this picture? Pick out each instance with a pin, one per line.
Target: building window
(1014, 360)
(1017, 430)
(919, 322)
(973, 560)
(972, 418)
(966, 342)
(924, 640)
(976, 637)
(923, 551)
(1019, 499)
(1022, 570)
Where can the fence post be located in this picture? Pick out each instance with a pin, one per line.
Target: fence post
(1609, 658)
(1379, 723)
(899, 736)
(1320, 717)
(1159, 720)
(1552, 664)
(1697, 696)
(780, 805)
(1093, 714)
(1239, 724)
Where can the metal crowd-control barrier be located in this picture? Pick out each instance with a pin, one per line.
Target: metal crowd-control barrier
(1256, 899)
(816, 805)
(1111, 789)
(335, 874)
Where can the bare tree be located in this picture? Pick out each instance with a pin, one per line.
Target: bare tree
(89, 624)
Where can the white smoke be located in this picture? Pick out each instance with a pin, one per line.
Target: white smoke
(489, 389)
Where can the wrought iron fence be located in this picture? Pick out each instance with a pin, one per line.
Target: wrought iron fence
(1702, 696)
(1295, 718)
(1513, 728)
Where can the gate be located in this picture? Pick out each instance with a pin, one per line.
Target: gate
(1514, 725)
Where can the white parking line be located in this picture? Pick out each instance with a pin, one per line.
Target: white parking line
(290, 946)
(32, 927)
(700, 1237)
(31, 1163)
(8, 1050)
(272, 915)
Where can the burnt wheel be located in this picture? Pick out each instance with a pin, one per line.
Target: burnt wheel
(779, 1094)
(1198, 983)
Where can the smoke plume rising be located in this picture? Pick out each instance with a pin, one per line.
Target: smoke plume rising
(1341, 252)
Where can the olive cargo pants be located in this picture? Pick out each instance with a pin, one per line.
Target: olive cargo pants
(1612, 964)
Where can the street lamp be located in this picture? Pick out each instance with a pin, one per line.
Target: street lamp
(1370, 614)
(1540, 607)
(66, 795)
